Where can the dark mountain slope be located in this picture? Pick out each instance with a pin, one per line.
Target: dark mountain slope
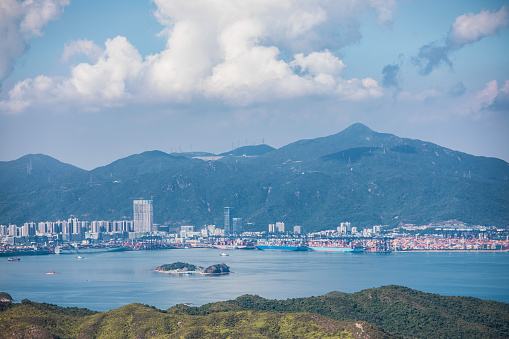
(249, 151)
(34, 168)
(357, 175)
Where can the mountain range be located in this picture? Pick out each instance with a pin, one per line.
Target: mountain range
(357, 175)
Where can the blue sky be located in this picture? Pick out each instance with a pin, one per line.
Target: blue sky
(88, 82)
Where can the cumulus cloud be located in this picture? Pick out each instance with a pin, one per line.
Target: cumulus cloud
(221, 50)
(491, 97)
(501, 101)
(469, 28)
(20, 21)
(466, 29)
(85, 47)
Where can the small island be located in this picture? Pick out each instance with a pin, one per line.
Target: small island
(185, 268)
(217, 269)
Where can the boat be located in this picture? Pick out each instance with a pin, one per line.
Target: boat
(87, 249)
(246, 247)
(225, 247)
(13, 259)
(280, 248)
(80, 257)
(223, 254)
(334, 249)
(50, 272)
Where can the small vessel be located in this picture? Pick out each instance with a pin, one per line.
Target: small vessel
(281, 248)
(50, 272)
(225, 247)
(223, 254)
(79, 257)
(333, 249)
(81, 249)
(13, 259)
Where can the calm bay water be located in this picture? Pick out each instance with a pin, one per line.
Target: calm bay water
(104, 281)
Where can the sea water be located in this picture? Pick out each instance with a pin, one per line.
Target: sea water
(104, 281)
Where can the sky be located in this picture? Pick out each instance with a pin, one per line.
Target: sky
(90, 81)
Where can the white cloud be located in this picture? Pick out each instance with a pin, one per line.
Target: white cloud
(221, 50)
(109, 78)
(84, 46)
(466, 29)
(11, 39)
(471, 27)
(318, 63)
(37, 13)
(485, 98)
(19, 21)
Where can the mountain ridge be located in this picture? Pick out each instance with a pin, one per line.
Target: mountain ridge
(356, 175)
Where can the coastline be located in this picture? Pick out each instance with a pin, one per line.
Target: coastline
(462, 250)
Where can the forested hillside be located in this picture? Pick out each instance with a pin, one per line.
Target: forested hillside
(357, 175)
(384, 312)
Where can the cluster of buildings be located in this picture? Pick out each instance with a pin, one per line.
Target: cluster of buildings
(74, 230)
(447, 235)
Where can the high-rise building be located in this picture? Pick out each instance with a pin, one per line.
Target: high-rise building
(297, 229)
(229, 213)
(143, 216)
(237, 225)
(280, 226)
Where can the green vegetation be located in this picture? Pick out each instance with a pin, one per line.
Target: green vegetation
(384, 312)
(401, 310)
(142, 321)
(217, 269)
(357, 175)
(181, 266)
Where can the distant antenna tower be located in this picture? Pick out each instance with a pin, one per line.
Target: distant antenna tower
(29, 167)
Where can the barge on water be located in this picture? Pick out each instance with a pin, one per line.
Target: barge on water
(334, 249)
(281, 248)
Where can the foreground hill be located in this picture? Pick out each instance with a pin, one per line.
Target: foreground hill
(33, 320)
(357, 175)
(397, 309)
(384, 312)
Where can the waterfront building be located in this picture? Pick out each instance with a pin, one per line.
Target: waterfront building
(143, 216)
(13, 230)
(28, 229)
(272, 228)
(280, 226)
(41, 228)
(229, 213)
(347, 226)
(297, 229)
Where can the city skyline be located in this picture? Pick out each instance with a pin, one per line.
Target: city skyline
(175, 76)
